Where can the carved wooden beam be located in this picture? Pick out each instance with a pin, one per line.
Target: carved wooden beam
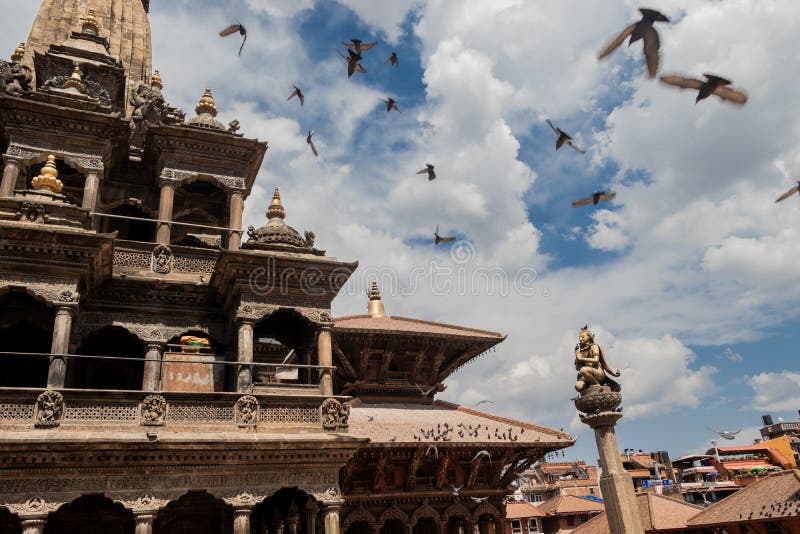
(473, 474)
(498, 466)
(343, 361)
(441, 473)
(413, 467)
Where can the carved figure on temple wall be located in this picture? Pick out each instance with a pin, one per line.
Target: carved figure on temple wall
(14, 78)
(590, 362)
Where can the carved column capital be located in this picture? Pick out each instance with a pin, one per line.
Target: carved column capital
(167, 182)
(15, 161)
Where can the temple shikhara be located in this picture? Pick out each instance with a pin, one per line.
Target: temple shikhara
(162, 369)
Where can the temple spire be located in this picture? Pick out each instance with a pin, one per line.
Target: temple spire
(276, 210)
(375, 308)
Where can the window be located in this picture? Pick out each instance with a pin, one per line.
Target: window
(516, 526)
(591, 491)
(533, 525)
(571, 521)
(537, 497)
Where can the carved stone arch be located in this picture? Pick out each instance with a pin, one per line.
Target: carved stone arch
(38, 296)
(456, 510)
(359, 514)
(134, 202)
(393, 512)
(86, 333)
(426, 510)
(56, 293)
(485, 508)
(199, 211)
(237, 497)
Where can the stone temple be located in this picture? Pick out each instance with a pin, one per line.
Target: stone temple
(150, 381)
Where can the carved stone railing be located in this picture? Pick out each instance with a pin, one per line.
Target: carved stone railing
(152, 259)
(24, 409)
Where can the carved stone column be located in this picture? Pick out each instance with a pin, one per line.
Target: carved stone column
(151, 380)
(61, 331)
(165, 211)
(244, 381)
(331, 511)
(241, 520)
(90, 189)
(144, 523)
(325, 357)
(10, 175)
(235, 217)
(34, 525)
(311, 517)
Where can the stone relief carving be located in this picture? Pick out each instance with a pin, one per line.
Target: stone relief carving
(145, 503)
(67, 296)
(34, 505)
(153, 411)
(178, 176)
(162, 259)
(47, 288)
(32, 212)
(92, 88)
(334, 415)
(14, 78)
(149, 106)
(245, 498)
(148, 328)
(247, 411)
(49, 408)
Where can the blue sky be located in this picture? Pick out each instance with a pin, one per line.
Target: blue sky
(689, 278)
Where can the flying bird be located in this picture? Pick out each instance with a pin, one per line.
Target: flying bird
(439, 239)
(353, 64)
(424, 392)
(358, 46)
(429, 171)
(233, 28)
(456, 489)
(642, 29)
(563, 138)
(789, 193)
(482, 402)
(311, 143)
(726, 433)
(393, 60)
(435, 451)
(483, 453)
(713, 85)
(479, 499)
(390, 104)
(299, 94)
(594, 198)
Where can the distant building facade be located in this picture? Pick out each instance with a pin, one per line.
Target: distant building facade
(546, 480)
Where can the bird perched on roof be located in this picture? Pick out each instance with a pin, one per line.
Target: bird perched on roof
(726, 433)
(483, 453)
(429, 171)
(358, 46)
(234, 28)
(390, 104)
(642, 29)
(393, 439)
(393, 60)
(563, 138)
(790, 192)
(434, 449)
(311, 143)
(713, 85)
(299, 94)
(479, 499)
(594, 198)
(425, 392)
(353, 64)
(439, 239)
(370, 418)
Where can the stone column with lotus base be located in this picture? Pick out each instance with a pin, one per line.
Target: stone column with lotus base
(599, 402)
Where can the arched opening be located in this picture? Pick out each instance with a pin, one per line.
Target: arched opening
(274, 337)
(72, 179)
(90, 373)
(90, 513)
(129, 229)
(196, 512)
(9, 523)
(26, 325)
(359, 527)
(485, 524)
(194, 360)
(426, 525)
(199, 202)
(393, 526)
(286, 511)
(456, 525)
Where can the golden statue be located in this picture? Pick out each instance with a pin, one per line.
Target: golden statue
(590, 362)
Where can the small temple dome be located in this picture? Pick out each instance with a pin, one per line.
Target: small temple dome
(276, 231)
(206, 111)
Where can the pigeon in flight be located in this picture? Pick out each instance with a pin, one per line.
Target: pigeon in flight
(456, 489)
(393, 60)
(789, 193)
(439, 239)
(434, 449)
(482, 402)
(311, 143)
(297, 93)
(424, 392)
(358, 46)
(483, 453)
(429, 171)
(233, 28)
(563, 138)
(390, 104)
(726, 433)
(595, 198)
(353, 64)
(642, 29)
(479, 499)
(713, 85)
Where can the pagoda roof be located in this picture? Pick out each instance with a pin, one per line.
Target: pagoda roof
(570, 505)
(405, 325)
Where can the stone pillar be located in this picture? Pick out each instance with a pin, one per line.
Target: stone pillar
(325, 357)
(165, 211)
(151, 380)
(616, 485)
(311, 518)
(61, 331)
(241, 521)
(10, 175)
(90, 189)
(331, 511)
(292, 525)
(244, 380)
(144, 523)
(409, 528)
(33, 525)
(235, 218)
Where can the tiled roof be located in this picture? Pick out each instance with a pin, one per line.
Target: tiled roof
(772, 497)
(520, 510)
(757, 447)
(398, 424)
(569, 505)
(658, 513)
(411, 326)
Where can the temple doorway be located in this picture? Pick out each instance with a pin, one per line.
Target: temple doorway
(393, 526)
(90, 373)
(196, 512)
(359, 527)
(26, 326)
(287, 511)
(89, 514)
(427, 525)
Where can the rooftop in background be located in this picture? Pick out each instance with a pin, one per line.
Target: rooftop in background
(570, 505)
(522, 510)
(658, 513)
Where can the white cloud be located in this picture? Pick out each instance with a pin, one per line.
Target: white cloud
(775, 391)
(730, 355)
(386, 17)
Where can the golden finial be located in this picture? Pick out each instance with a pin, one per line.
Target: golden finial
(91, 24)
(155, 81)
(375, 307)
(48, 177)
(207, 105)
(75, 80)
(276, 210)
(16, 57)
